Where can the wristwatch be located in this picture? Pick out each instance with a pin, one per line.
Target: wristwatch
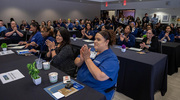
(52, 49)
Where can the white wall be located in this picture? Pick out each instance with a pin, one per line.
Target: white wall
(43, 10)
(150, 7)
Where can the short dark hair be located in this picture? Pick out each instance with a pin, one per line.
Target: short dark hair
(35, 24)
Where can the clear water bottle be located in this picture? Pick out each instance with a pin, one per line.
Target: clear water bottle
(38, 63)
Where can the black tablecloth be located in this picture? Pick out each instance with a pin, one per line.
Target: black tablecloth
(25, 89)
(76, 32)
(140, 76)
(172, 49)
(5, 40)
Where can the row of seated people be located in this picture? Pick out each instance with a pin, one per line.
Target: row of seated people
(60, 52)
(126, 37)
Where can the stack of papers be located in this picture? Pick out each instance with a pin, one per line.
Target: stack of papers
(88, 40)
(11, 45)
(6, 52)
(16, 47)
(11, 76)
(135, 49)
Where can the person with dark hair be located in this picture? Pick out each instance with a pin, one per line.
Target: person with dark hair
(43, 24)
(47, 34)
(36, 39)
(126, 38)
(2, 28)
(150, 42)
(99, 71)
(145, 19)
(87, 33)
(173, 28)
(24, 26)
(14, 33)
(167, 35)
(61, 54)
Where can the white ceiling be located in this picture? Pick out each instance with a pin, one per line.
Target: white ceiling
(109, 1)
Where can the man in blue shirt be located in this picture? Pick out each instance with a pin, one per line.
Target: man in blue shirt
(154, 21)
(14, 33)
(2, 27)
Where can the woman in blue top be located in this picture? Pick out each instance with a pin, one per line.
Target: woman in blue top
(69, 25)
(101, 70)
(134, 29)
(127, 38)
(36, 39)
(47, 34)
(167, 35)
(87, 33)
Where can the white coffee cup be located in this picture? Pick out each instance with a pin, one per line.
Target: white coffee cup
(46, 65)
(53, 77)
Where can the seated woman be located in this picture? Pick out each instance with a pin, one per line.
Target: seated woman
(24, 26)
(77, 26)
(101, 70)
(167, 35)
(150, 42)
(82, 24)
(36, 39)
(134, 29)
(14, 33)
(69, 25)
(126, 38)
(62, 55)
(47, 34)
(87, 33)
(49, 25)
(43, 24)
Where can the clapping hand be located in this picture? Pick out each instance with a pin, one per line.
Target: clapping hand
(142, 45)
(166, 35)
(51, 45)
(126, 39)
(121, 37)
(83, 32)
(85, 52)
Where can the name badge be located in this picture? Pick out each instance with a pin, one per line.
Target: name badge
(14, 34)
(93, 54)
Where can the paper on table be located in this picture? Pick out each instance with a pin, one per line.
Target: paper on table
(6, 52)
(12, 45)
(58, 95)
(88, 40)
(11, 76)
(139, 38)
(92, 44)
(76, 38)
(135, 49)
(16, 47)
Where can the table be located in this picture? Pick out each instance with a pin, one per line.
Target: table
(25, 89)
(172, 49)
(140, 76)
